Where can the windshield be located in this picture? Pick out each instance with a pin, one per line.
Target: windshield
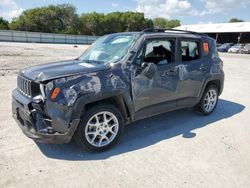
(109, 49)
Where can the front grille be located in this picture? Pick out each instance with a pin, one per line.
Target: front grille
(27, 87)
(24, 85)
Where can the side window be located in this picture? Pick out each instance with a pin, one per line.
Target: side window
(189, 50)
(159, 51)
(140, 57)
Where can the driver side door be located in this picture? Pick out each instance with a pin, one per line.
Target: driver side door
(156, 94)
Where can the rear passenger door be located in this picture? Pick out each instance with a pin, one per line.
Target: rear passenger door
(193, 67)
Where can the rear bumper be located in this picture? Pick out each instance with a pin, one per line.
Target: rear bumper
(31, 121)
(246, 51)
(221, 78)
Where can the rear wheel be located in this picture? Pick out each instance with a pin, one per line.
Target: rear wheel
(208, 100)
(100, 128)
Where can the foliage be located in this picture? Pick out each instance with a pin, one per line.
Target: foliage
(233, 20)
(64, 19)
(4, 24)
(100, 24)
(160, 22)
(164, 23)
(51, 19)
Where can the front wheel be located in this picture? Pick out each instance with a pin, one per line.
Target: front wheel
(100, 128)
(208, 100)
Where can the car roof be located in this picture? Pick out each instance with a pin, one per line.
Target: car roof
(182, 34)
(151, 32)
(174, 34)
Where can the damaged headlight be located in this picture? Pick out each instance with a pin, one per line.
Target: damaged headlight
(70, 95)
(50, 86)
(41, 96)
(63, 90)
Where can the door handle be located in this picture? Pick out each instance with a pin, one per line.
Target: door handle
(171, 72)
(203, 68)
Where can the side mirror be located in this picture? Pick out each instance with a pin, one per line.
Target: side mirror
(149, 69)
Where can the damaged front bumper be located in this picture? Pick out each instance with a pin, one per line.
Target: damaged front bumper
(37, 125)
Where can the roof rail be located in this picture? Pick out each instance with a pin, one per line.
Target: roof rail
(152, 30)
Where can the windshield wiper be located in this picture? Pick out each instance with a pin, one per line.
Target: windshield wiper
(92, 61)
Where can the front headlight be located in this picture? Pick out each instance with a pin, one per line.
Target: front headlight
(62, 88)
(70, 95)
(50, 85)
(54, 83)
(41, 96)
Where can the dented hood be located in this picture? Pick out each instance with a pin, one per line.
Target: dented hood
(41, 73)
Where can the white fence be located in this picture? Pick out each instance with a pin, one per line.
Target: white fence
(35, 37)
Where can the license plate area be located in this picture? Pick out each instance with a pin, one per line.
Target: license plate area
(18, 111)
(18, 116)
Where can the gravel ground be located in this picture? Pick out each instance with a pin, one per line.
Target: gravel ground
(178, 149)
(15, 56)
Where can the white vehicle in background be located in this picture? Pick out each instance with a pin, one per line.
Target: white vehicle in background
(237, 48)
(246, 49)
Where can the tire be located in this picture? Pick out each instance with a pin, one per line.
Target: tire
(96, 133)
(208, 100)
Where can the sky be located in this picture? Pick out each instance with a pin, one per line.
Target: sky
(187, 11)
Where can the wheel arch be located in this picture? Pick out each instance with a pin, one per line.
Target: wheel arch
(215, 82)
(120, 100)
(117, 101)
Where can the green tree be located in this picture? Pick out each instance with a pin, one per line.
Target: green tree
(233, 20)
(63, 19)
(135, 21)
(51, 19)
(173, 23)
(100, 24)
(164, 23)
(4, 24)
(92, 23)
(160, 22)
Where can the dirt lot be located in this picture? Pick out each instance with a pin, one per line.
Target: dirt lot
(178, 149)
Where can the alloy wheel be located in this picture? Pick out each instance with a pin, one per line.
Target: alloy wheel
(101, 129)
(210, 100)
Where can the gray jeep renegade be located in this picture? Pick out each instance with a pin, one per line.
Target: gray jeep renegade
(121, 78)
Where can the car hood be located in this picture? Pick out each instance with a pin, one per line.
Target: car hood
(45, 72)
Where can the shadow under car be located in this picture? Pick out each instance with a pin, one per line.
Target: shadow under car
(147, 132)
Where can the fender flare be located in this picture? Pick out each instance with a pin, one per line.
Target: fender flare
(81, 102)
(219, 77)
